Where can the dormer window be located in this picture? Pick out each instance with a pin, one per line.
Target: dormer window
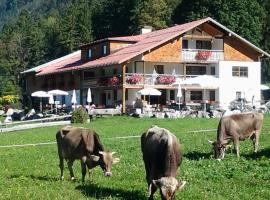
(90, 53)
(104, 50)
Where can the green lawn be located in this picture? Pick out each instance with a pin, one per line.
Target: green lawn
(32, 172)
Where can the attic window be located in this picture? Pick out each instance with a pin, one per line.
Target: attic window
(90, 53)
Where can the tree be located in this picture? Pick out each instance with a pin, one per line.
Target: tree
(153, 13)
(113, 18)
(246, 18)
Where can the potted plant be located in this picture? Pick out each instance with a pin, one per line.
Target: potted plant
(166, 79)
(134, 79)
(203, 55)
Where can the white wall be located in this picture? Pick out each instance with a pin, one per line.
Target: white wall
(230, 85)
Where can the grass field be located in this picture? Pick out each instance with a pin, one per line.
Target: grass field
(32, 172)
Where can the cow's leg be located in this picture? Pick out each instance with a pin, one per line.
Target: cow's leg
(61, 166)
(255, 140)
(90, 173)
(70, 164)
(83, 166)
(152, 189)
(236, 146)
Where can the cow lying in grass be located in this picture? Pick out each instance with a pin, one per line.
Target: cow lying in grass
(235, 128)
(83, 144)
(162, 157)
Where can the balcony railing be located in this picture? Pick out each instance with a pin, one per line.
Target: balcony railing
(201, 55)
(137, 79)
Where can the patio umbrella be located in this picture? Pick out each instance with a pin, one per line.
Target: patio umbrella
(154, 77)
(179, 94)
(40, 94)
(58, 92)
(51, 101)
(149, 92)
(73, 99)
(89, 97)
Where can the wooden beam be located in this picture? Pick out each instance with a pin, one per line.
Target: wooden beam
(124, 88)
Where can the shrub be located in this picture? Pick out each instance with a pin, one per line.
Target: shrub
(80, 115)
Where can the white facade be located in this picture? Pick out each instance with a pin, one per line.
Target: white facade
(247, 86)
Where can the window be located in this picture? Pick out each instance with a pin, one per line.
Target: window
(88, 75)
(212, 95)
(159, 69)
(195, 95)
(172, 95)
(115, 95)
(240, 71)
(213, 71)
(90, 53)
(203, 44)
(185, 44)
(115, 71)
(196, 70)
(104, 50)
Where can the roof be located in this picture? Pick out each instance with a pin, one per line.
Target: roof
(143, 43)
(52, 64)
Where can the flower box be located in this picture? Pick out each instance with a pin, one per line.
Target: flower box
(203, 55)
(166, 79)
(114, 81)
(134, 79)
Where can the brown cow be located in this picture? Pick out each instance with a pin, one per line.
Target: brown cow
(162, 157)
(84, 144)
(235, 128)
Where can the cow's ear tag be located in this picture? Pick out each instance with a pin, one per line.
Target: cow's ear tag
(94, 158)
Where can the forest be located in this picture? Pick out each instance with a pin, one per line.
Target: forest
(33, 32)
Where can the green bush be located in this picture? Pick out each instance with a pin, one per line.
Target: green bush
(80, 115)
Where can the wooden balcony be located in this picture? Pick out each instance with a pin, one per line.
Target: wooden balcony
(201, 55)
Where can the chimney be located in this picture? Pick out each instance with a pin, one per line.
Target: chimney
(146, 29)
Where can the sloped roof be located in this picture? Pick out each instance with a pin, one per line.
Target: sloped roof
(144, 43)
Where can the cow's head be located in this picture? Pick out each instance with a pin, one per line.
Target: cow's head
(105, 159)
(219, 149)
(168, 187)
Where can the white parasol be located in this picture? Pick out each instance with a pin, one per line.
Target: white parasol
(58, 92)
(73, 99)
(149, 92)
(179, 94)
(40, 94)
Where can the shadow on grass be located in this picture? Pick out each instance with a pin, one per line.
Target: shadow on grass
(196, 155)
(259, 154)
(99, 192)
(40, 178)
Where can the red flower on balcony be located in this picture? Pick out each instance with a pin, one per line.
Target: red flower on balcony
(114, 81)
(134, 79)
(166, 79)
(203, 55)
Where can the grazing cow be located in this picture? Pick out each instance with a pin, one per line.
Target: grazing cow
(162, 157)
(235, 128)
(84, 144)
